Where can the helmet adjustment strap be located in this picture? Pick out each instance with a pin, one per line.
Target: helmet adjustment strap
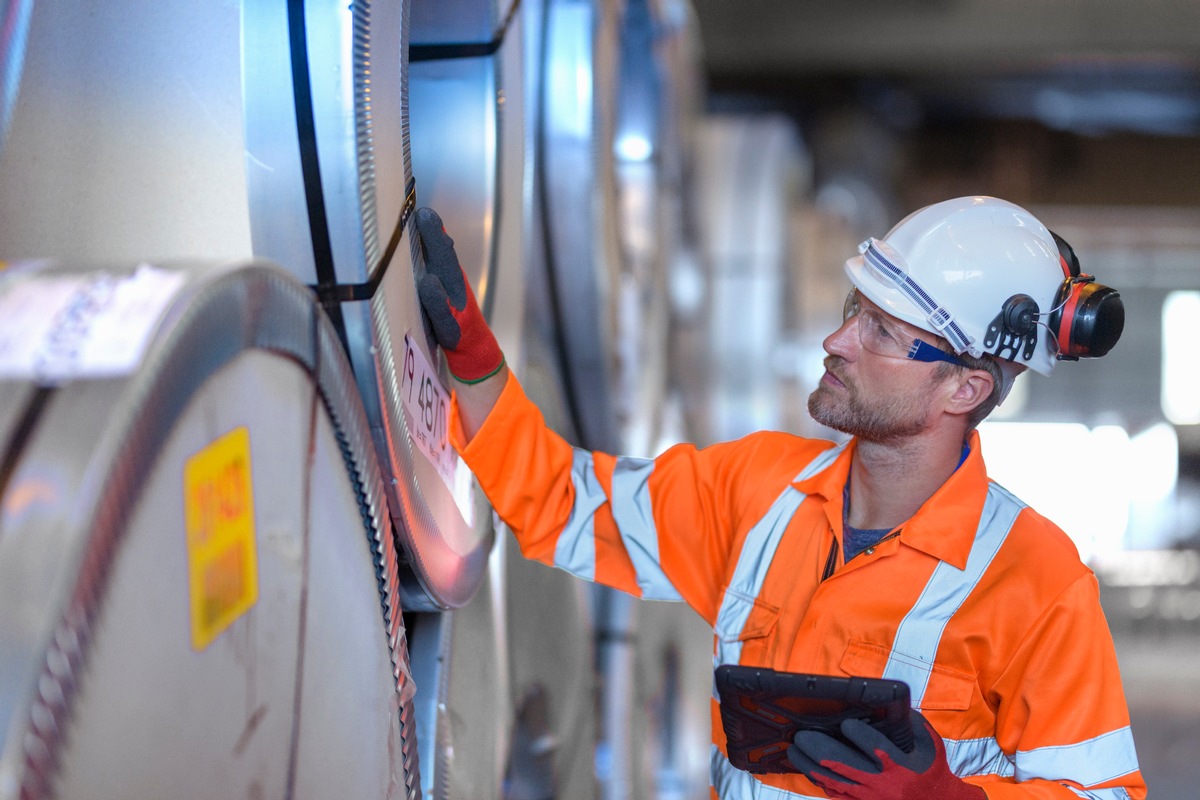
(939, 317)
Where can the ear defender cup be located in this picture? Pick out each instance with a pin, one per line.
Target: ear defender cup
(1087, 319)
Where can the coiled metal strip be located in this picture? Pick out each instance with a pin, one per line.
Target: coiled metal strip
(267, 305)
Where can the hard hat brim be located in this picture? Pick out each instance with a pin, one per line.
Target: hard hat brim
(886, 295)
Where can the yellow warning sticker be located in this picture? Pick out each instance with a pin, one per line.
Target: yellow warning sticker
(222, 557)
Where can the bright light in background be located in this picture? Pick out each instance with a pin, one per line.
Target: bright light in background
(1088, 480)
(569, 79)
(633, 147)
(1154, 463)
(1180, 378)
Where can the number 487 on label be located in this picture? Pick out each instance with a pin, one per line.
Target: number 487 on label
(427, 407)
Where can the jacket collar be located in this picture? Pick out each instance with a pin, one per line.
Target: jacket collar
(944, 527)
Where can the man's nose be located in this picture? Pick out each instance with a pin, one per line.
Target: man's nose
(844, 342)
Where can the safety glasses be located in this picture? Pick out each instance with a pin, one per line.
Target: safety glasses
(889, 268)
(882, 337)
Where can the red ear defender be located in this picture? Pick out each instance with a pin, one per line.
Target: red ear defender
(1087, 317)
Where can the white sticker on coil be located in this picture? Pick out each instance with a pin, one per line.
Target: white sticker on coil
(57, 327)
(427, 407)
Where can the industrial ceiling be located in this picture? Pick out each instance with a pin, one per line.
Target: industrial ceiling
(784, 38)
(1087, 66)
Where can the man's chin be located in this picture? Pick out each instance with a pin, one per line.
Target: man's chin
(823, 408)
(835, 414)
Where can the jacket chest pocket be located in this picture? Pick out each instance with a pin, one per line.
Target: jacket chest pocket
(744, 623)
(946, 690)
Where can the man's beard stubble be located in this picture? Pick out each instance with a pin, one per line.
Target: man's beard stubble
(887, 419)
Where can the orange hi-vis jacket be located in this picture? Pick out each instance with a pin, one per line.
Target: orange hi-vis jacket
(980, 604)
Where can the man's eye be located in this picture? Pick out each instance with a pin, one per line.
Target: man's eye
(881, 331)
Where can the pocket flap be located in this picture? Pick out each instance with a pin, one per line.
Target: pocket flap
(743, 617)
(948, 689)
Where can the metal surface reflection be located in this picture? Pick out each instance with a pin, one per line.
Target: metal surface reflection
(614, 108)
(454, 103)
(175, 562)
(340, 171)
(14, 27)
(127, 131)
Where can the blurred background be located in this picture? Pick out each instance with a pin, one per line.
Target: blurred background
(1087, 113)
(653, 200)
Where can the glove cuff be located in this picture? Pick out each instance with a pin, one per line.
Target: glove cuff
(450, 362)
(478, 355)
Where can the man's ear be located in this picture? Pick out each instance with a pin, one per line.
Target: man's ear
(970, 388)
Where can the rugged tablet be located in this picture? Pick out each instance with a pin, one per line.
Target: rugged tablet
(762, 710)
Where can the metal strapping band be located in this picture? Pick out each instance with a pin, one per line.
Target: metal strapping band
(452, 50)
(350, 292)
(21, 434)
(328, 290)
(310, 166)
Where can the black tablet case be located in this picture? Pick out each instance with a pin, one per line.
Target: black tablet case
(761, 711)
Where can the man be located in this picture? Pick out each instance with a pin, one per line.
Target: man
(891, 555)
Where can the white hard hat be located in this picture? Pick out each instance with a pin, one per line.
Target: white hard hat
(987, 276)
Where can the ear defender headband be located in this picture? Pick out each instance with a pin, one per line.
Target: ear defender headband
(1087, 318)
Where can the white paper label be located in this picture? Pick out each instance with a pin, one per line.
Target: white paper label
(427, 408)
(57, 327)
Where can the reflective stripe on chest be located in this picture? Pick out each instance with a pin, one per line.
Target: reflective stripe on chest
(920, 631)
(755, 559)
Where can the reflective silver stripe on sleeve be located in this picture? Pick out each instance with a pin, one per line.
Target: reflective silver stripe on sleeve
(920, 631)
(968, 757)
(754, 561)
(634, 515)
(1097, 760)
(1116, 793)
(576, 548)
(732, 783)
